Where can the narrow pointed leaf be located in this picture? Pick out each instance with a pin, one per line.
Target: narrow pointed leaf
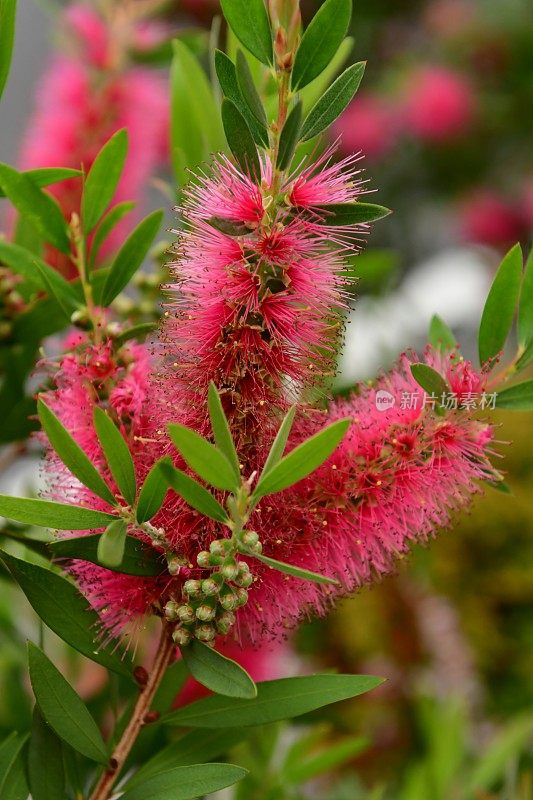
(45, 748)
(280, 442)
(526, 358)
(58, 289)
(240, 139)
(138, 332)
(216, 672)
(10, 752)
(8, 13)
(64, 609)
(276, 700)
(429, 379)
(102, 180)
(15, 785)
(320, 41)
(46, 176)
(130, 256)
(138, 558)
(72, 455)
(194, 493)
(106, 225)
(500, 306)
(333, 101)
(153, 492)
(117, 454)
(186, 783)
(289, 136)
(303, 460)
(112, 543)
(227, 78)
(204, 458)
(61, 707)
(221, 429)
(440, 335)
(350, 213)
(296, 572)
(248, 20)
(49, 514)
(517, 398)
(37, 206)
(33, 269)
(525, 309)
(249, 92)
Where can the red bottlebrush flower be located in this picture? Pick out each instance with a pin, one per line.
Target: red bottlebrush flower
(488, 218)
(438, 105)
(369, 125)
(81, 102)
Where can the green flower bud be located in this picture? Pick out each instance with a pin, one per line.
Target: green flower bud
(192, 588)
(249, 538)
(229, 602)
(225, 622)
(257, 548)
(202, 559)
(245, 580)
(174, 565)
(229, 570)
(217, 547)
(186, 613)
(210, 587)
(205, 613)
(204, 633)
(181, 636)
(215, 560)
(241, 597)
(171, 610)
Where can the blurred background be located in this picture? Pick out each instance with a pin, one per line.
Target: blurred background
(444, 121)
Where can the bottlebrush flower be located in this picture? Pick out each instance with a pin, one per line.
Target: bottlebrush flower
(83, 98)
(369, 125)
(488, 218)
(438, 104)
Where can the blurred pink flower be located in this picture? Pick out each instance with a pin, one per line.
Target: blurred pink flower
(368, 125)
(487, 218)
(438, 104)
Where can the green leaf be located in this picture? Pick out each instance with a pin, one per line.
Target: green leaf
(350, 213)
(312, 93)
(138, 332)
(500, 306)
(117, 455)
(291, 569)
(72, 455)
(10, 763)
(240, 139)
(106, 225)
(221, 429)
(246, 85)
(333, 101)
(64, 609)
(280, 442)
(61, 707)
(249, 21)
(45, 176)
(48, 514)
(216, 672)
(33, 269)
(440, 335)
(46, 751)
(227, 78)
(38, 206)
(138, 559)
(429, 379)
(525, 309)
(321, 40)
(102, 180)
(276, 700)
(153, 492)
(526, 358)
(8, 13)
(303, 460)
(204, 458)
(58, 289)
(193, 748)
(195, 125)
(290, 134)
(112, 543)
(194, 493)
(504, 749)
(305, 769)
(186, 783)
(15, 786)
(130, 256)
(516, 398)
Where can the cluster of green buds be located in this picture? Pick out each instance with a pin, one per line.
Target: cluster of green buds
(208, 606)
(11, 302)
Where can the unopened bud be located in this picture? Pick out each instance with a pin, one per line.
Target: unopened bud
(230, 570)
(174, 566)
(205, 633)
(229, 602)
(210, 587)
(171, 610)
(241, 596)
(249, 538)
(217, 547)
(205, 613)
(181, 637)
(186, 613)
(245, 580)
(202, 559)
(192, 588)
(225, 622)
